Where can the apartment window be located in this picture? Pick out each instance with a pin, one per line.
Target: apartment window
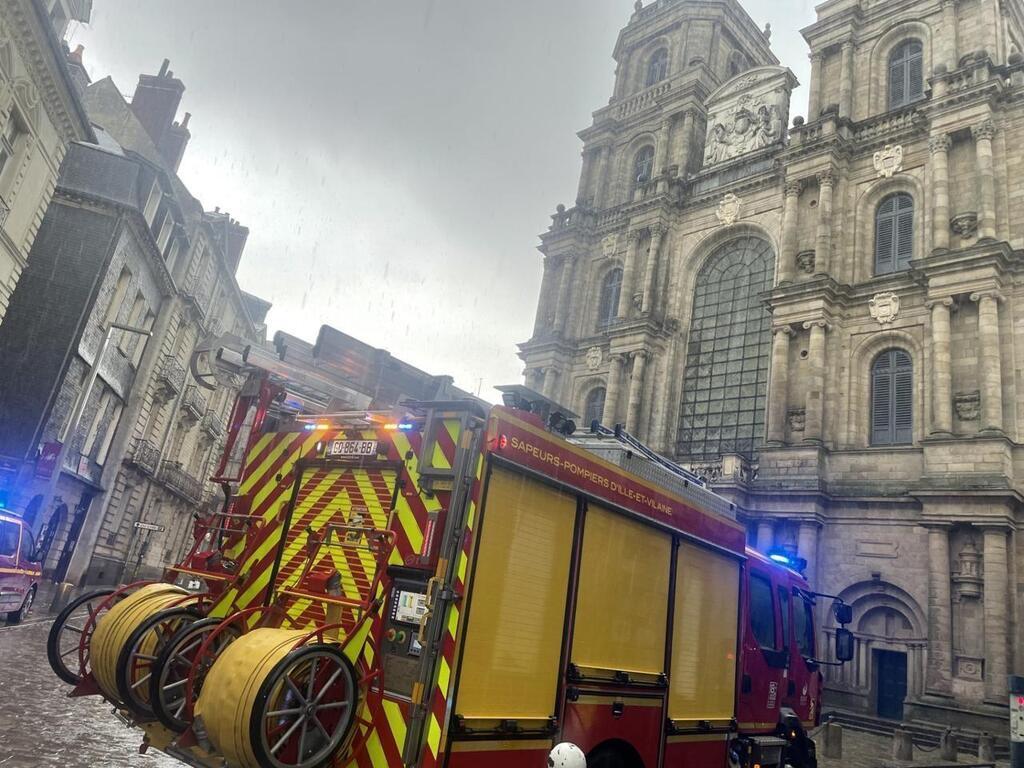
(128, 340)
(906, 74)
(97, 422)
(894, 234)
(892, 399)
(108, 437)
(117, 298)
(140, 343)
(9, 139)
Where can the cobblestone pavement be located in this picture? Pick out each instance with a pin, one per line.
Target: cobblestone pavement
(864, 750)
(40, 727)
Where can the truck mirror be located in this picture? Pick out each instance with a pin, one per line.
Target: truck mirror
(843, 612)
(844, 645)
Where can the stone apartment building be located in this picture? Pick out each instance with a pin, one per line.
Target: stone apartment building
(123, 242)
(822, 314)
(40, 115)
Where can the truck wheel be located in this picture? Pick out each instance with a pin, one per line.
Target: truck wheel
(15, 617)
(614, 755)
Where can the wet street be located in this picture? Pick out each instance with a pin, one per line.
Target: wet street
(42, 727)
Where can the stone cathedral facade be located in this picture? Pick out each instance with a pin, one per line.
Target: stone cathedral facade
(822, 314)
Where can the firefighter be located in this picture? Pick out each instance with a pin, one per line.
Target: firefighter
(567, 755)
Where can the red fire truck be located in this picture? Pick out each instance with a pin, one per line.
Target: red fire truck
(450, 585)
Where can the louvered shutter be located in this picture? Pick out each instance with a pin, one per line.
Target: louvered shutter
(881, 402)
(904, 239)
(903, 399)
(915, 74)
(885, 238)
(897, 82)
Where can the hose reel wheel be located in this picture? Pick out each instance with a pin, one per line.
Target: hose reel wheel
(305, 708)
(67, 644)
(136, 662)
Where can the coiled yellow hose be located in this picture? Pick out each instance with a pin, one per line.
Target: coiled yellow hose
(229, 692)
(115, 627)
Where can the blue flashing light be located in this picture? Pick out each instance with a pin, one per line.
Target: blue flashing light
(779, 558)
(406, 427)
(309, 427)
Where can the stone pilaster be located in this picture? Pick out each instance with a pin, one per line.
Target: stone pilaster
(814, 403)
(939, 146)
(633, 240)
(636, 389)
(949, 50)
(545, 294)
(938, 679)
(565, 292)
(996, 612)
(601, 176)
(990, 28)
(790, 233)
(846, 81)
(765, 535)
(983, 135)
(684, 144)
(814, 98)
(942, 362)
(664, 140)
(990, 360)
(778, 388)
(611, 394)
(657, 234)
(551, 379)
(807, 548)
(823, 241)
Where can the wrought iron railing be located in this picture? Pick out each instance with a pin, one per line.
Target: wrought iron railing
(178, 481)
(171, 376)
(193, 403)
(146, 456)
(211, 423)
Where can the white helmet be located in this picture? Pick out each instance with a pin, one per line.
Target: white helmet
(567, 755)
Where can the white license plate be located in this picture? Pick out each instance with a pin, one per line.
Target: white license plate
(352, 448)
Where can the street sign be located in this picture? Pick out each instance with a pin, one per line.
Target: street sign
(149, 526)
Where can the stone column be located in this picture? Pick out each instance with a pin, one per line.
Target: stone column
(939, 146)
(996, 612)
(778, 387)
(990, 362)
(657, 233)
(950, 56)
(942, 362)
(636, 389)
(600, 176)
(814, 404)
(685, 144)
(551, 377)
(990, 28)
(661, 153)
(846, 81)
(633, 239)
(823, 241)
(790, 233)
(814, 103)
(586, 174)
(565, 292)
(983, 135)
(939, 678)
(765, 535)
(807, 548)
(611, 393)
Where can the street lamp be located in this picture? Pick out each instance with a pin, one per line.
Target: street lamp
(68, 434)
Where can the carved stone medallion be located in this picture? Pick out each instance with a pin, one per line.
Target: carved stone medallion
(797, 419)
(805, 262)
(968, 405)
(884, 307)
(729, 209)
(889, 160)
(610, 245)
(594, 358)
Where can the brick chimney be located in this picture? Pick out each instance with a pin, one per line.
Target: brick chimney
(175, 139)
(230, 236)
(155, 103)
(78, 74)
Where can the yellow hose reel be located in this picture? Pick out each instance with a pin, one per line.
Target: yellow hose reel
(114, 633)
(269, 704)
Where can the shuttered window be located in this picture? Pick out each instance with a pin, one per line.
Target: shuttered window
(594, 407)
(894, 234)
(892, 399)
(608, 305)
(643, 166)
(657, 67)
(906, 74)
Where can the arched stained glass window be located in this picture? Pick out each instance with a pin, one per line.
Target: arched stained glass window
(894, 234)
(906, 74)
(593, 409)
(657, 67)
(608, 304)
(643, 166)
(892, 399)
(726, 378)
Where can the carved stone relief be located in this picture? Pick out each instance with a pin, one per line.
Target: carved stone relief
(968, 405)
(805, 262)
(594, 358)
(729, 209)
(610, 245)
(797, 419)
(965, 224)
(889, 160)
(884, 307)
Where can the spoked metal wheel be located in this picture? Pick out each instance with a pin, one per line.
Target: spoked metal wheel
(70, 631)
(135, 664)
(167, 693)
(305, 708)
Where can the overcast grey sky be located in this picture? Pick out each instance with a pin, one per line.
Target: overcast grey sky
(394, 161)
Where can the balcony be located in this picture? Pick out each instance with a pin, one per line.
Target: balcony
(145, 457)
(211, 424)
(193, 404)
(170, 378)
(192, 292)
(179, 482)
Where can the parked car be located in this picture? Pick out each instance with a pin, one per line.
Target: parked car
(20, 570)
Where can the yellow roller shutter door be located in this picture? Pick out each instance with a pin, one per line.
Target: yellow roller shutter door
(517, 610)
(703, 680)
(622, 606)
